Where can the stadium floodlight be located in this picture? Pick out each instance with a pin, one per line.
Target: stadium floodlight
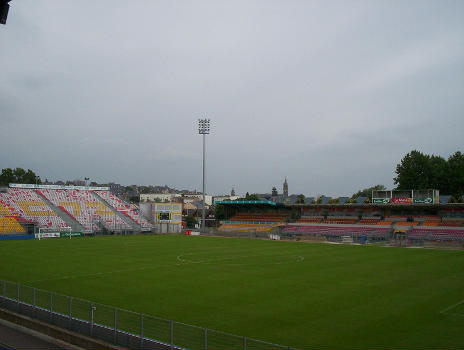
(4, 7)
(203, 129)
(203, 126)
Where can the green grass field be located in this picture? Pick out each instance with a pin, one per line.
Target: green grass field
(298, 294)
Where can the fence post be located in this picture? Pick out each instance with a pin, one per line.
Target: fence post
(141, 331)
(33, 302)
(70, 312)
(51, 306)
(17, 304)
(91, 319)
(206, 338)
(115, 323)
(172, 334)
(244, 343)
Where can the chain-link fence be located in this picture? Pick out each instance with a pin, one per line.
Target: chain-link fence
(121, 327)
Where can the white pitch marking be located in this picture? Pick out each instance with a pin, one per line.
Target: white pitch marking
(179, 258)
(452, 307)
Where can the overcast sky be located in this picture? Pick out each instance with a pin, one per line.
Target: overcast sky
(331, 94)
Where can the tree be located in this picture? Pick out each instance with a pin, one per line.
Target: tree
(413, 172)
(18, 175)
(219, 212)
(300, 199)
(190, 221)
(367, 192)
(456, 175)
(419, 171)
(134, 199)
(251, 197)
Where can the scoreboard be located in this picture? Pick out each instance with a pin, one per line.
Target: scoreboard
(167, 217)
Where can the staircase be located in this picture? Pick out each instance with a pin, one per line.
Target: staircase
(125, 218)
(74, 224)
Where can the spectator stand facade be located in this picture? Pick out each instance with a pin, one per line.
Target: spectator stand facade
(371, 222)
(84, 209)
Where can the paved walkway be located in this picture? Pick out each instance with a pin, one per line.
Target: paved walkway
(11, 339)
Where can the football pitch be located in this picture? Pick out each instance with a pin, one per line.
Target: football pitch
(304, 295)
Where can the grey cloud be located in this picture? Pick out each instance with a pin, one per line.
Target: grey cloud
(329, 94)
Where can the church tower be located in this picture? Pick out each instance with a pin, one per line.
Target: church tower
(232, 193)
(285, 191)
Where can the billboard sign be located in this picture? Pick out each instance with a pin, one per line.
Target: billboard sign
(47, 235)
(401, 200)
(423, 200)
(381, 200)
(73, 234)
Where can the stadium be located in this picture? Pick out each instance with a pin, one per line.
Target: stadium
(130, 221)
(306, 275)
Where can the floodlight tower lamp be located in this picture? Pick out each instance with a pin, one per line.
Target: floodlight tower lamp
(203, 129)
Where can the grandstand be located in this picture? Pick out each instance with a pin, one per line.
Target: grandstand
(28, 206)
(10, 225)
(260, 222)
(126, 209)
(329, 231)
(376, 221)
(436, 234)
(84, 209)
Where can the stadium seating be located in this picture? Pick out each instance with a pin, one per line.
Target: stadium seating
(10, 225)
(246, 217)
(236, 226)
(369, 221)
(124, 208)
(451, 235)
(385, 222)
(5, 211)
(26, 204)
(406, 223)
(341, 220)
(431, 223)
(337, 231)
(396, 217)
(85, 208)
(310, 219)
(452, 222)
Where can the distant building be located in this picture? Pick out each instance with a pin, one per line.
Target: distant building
(115, 188)
(285, 188)
(159, 197)
(198, 197)
(225, 198)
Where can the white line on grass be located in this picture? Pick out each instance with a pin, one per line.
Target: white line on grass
(445, 311)
(181, 261)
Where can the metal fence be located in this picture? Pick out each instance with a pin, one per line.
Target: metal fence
(117, 326)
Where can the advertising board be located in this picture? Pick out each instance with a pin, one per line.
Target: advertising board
(381, 200)
(423, 200)
(401, 200)
(48, 235)
(73, 234)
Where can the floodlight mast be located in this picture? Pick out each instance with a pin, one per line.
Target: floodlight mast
(203, 129)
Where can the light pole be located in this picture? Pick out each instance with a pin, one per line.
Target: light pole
(203, 129)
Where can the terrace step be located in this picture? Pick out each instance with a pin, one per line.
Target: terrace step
(74, 224)
(125, 218)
